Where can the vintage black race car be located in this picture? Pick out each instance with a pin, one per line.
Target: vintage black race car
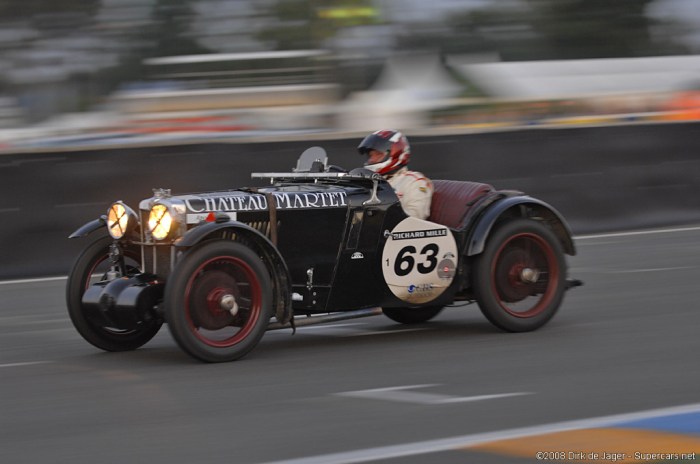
(317, 244)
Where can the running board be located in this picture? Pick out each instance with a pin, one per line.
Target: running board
(301, 321)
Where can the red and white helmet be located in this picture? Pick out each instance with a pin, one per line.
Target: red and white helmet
(395, 147)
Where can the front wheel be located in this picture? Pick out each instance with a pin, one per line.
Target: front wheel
(218, 301)
(92, 266)
(520, 278)
(412, 315)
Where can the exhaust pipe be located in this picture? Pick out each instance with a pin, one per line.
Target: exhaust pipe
(333, 317)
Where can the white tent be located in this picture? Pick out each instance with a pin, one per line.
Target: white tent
(408, 87)
(541, 80)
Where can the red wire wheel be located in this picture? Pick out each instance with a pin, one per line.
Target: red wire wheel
(520, 277)
(218, 301)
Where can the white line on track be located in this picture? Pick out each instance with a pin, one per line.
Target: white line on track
(400, 394)
(446, 444)
(31, 281)
(24, 364)
(654, 269)
(639, 232)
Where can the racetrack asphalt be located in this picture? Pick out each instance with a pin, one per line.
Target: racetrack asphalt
(614, 372)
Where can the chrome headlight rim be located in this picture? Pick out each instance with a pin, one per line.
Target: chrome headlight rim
(121, 220)
(161, 221)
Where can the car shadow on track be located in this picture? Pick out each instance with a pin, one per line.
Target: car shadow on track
(451, 329)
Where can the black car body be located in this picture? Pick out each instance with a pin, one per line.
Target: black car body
(317, 244)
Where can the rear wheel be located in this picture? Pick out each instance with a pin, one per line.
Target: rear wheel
(218, 301)
(520, 278)
(91, 267)
(412, 315)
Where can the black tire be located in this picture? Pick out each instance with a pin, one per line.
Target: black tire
(88, 268)
(193, 295)
(412, 315)
(520, 278)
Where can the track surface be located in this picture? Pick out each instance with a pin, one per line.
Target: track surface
(370, 390)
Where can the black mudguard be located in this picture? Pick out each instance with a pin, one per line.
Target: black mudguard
(482, 229)
(90, 227)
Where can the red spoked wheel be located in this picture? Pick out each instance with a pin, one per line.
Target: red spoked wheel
(218, 301)
(520, 277)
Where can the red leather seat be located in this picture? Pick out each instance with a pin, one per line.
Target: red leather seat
(452, 200)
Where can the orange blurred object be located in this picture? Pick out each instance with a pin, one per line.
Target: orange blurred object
(684, 106)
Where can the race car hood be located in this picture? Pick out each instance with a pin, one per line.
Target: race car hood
(257, 199)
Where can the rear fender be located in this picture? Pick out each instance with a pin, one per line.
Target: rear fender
(279, 272)
(525, 207)
(90, 227)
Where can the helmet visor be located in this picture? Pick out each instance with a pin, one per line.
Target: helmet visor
(374, 142)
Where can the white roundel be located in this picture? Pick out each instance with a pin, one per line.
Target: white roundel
(419, 260)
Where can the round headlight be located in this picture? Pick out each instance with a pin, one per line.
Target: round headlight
(160, 221)
(120, 220)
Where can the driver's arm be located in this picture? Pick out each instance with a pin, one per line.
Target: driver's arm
(416, 197)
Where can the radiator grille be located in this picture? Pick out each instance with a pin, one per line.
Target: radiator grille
(159, 258)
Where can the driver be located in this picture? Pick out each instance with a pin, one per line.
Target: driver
(388, 153)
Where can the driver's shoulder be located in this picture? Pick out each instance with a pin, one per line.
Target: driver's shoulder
(417, 176)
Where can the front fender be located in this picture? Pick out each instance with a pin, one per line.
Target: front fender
(520, 206)
(199, 233)
(90, 227)
(262, 246)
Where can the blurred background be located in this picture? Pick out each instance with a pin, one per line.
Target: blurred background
(590, 105)
(108, 71)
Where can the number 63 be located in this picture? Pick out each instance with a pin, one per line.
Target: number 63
(405, 261)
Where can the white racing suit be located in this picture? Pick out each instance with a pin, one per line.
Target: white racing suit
(414, 190)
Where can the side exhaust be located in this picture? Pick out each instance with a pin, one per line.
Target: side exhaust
(332, 317)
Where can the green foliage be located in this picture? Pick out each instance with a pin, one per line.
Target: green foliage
(307, 23)
(170, 35)
(556, 29)
(25, 9)
(595, 28)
